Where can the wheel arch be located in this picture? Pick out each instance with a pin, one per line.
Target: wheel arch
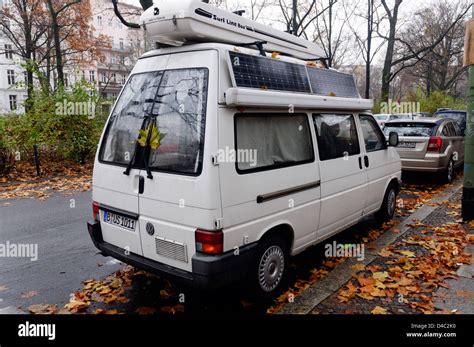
(281, 228)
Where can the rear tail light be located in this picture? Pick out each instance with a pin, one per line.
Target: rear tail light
(95, 211)
(209, 242)
(435, 144)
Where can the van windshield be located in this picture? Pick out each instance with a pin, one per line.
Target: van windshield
(163, 112)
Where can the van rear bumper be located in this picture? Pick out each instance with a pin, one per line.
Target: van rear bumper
(209, 271)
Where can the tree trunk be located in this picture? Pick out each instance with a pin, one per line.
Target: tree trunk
(369, 48)
(295, 19)
(387, 66)
(57, 44)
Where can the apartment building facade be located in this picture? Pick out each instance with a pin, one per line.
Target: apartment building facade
(125, 45)
(12, 79)
(109, 74)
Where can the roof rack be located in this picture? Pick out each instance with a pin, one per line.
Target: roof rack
(180, 22)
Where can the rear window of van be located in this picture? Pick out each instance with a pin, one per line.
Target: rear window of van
(411, 129)
(167, 109)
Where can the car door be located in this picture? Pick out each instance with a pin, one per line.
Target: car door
(343, 177)
(117, 170)
(376, 160)
(458, 143)
(179, 193)
(281, 185)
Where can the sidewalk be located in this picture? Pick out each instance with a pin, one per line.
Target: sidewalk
(423, 265)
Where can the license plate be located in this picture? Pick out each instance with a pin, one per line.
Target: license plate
(407, 145)
(120, 221)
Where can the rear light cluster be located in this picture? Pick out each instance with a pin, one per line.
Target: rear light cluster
(95, 211)
(435, 144)
(209, 242)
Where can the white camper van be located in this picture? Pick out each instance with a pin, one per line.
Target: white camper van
(221, 158)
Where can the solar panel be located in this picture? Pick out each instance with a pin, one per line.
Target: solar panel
(267, 73)
(330, 82)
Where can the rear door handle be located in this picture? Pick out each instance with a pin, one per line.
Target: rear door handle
(360, 163)
(141, 185)
(366, 161)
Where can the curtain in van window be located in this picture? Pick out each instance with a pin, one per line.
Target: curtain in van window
(277, 140)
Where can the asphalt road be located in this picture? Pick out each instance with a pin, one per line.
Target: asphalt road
(66, 255)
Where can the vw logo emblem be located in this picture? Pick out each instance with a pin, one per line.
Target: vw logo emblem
(150, 229)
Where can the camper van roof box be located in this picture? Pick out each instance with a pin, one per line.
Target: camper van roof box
(180, 22)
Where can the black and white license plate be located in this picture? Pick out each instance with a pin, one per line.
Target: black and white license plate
(407, 145)
(120, 221)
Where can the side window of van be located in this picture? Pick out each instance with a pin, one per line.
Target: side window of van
(337, 135)
(270, 141)
(373, 137)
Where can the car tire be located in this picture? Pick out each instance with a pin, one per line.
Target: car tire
(389, 205)
(270, 266)
(448, 174)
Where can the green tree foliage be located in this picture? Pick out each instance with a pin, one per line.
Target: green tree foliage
(64, 124)
(438, 99)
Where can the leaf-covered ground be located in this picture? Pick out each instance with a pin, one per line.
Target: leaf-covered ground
(407, 274)
(64, 177)
(403, 279)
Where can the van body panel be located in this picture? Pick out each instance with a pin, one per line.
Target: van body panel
(239, 192)
(176, 205)
(125, 239)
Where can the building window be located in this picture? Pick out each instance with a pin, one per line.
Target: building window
(104, 78)
(99, 20)
(66, 80)
(13, 103)
(8, 51)
(122, 60)
(112, 59)
(11, 77)
(25, 76)
(114, 78)
(110, 22)
(121, 44)
(91, 76)
(124, 79)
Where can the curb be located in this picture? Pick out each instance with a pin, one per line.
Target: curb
(322, 289)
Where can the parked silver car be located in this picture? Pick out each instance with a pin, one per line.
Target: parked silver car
(429, 144)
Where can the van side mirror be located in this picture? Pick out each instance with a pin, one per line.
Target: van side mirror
(393, 139)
